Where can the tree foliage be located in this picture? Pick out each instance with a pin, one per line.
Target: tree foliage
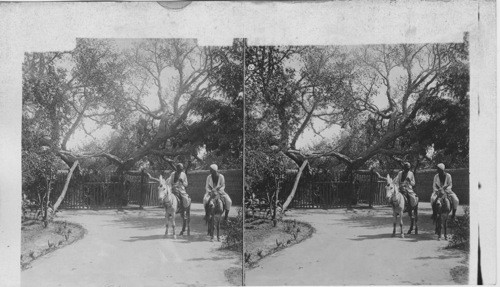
(290, 89)
(99, 84)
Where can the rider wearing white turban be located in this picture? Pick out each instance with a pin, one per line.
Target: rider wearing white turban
(442, 185)
(216, 183)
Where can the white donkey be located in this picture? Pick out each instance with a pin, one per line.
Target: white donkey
(169, 201)
(398, 203)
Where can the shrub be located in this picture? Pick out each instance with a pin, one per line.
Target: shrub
(461, 234)
(234, 232)
(291, 228)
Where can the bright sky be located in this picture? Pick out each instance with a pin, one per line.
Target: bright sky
(309, 138)
(306, 140)
(80, 138)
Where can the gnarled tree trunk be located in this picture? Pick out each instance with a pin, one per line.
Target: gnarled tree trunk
(294, 189)
(66, 184)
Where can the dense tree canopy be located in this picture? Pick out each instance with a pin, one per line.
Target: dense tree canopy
(158, 101)
(196, 103)
(170, 100)
(390, 102)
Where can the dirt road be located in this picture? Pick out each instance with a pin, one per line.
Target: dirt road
(356, 248)
(127, 248)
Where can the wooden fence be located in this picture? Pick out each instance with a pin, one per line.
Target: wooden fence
(331, 192)
(110, 190)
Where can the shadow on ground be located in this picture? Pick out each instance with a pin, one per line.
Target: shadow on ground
(154, 221)
(382, 216)
(408, 237)
(149, 219)
(438, 257)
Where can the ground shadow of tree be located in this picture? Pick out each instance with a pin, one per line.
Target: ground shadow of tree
(156, 219)
(180, 239)
(381, 218)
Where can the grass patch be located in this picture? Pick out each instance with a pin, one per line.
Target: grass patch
(37, 241)
(461, 231)
(263, 239)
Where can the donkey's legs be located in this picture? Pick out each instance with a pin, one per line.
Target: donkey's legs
(218, 226)
(410, 213)
(188, 219)
(208, 225)
(445, 225)
(183, 216)
(212, 226)
(394, 217)
(416, 219)
(438, 226)
(225, 215)
(401, 224)
(209, 232)
(166, 223)
(173, 224)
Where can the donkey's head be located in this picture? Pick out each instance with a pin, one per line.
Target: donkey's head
(390, 188)
(164, 188)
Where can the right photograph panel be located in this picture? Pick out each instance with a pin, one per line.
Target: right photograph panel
(357, 164)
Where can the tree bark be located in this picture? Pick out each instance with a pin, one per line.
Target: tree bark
(294, 189)
(66, 184)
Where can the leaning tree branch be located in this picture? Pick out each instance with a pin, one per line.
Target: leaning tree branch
(295, 184)
(170, 153)
(343, 158)
(65, 189)
(74, 157)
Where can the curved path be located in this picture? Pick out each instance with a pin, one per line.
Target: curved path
(356, 248)
(127, 248)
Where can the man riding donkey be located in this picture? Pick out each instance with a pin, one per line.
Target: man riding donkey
(216, 184)
(406, 181)
(179, 182)
(442, 186)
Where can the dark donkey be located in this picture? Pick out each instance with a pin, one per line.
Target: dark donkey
(215, 208)
(443, 209)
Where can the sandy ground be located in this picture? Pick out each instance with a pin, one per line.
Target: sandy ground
(356, 248)
(128, 248)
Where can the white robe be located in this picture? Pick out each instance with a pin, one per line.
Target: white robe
(220, 187)
(437, 186)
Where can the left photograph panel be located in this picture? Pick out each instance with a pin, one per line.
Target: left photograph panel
(132, 164)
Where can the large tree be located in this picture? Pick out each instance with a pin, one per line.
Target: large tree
(390, 101)
(63, 89)
(196, 104)
(290, 89)
(399, 91)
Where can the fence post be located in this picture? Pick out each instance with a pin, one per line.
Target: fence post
(371, 193)
(121, 190)
(141, 201)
